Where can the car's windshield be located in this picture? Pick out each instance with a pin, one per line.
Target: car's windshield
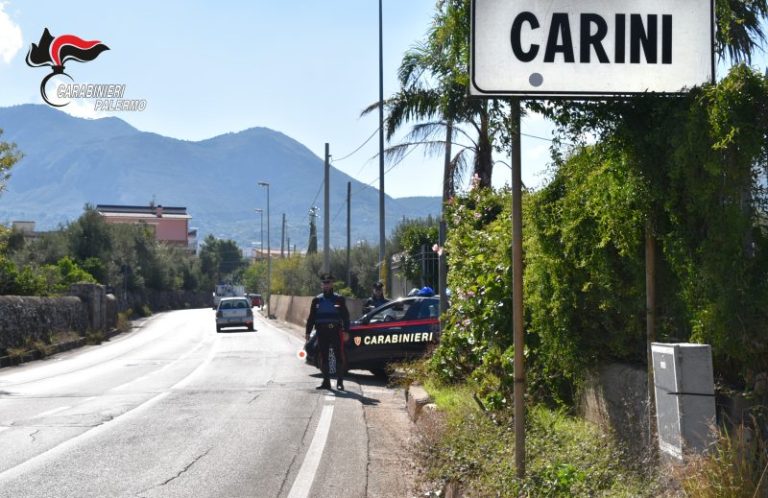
(393, 312)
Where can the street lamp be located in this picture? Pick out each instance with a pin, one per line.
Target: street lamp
(269, 255)
(382, 233)
(261, 230)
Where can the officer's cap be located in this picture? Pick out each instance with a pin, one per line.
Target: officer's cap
(327, 277)
(378, 285)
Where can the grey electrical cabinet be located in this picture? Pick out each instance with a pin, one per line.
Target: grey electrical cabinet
(685, 397)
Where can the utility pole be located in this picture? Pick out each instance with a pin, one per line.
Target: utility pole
(326, 213)
(269, 256)
(282, 239)
(261, 232)
(423, 265)
(650, 326)
(288, 245)
(349, 232)
(312, 244)
(382, 236)
(447, 191)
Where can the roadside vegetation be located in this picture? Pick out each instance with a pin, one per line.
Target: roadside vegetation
(684, 174)
(470, 447)
(298, 275)
(124, 257)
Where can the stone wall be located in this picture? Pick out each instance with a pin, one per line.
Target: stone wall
(165, 300)
(24, 318)
(89, 308)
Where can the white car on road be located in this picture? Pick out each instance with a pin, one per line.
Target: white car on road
(234, 312)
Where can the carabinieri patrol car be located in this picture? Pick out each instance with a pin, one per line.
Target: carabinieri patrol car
(396, 331)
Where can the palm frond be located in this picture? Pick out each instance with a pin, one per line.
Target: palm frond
(409, 106)
(426, 131)
(740, 28)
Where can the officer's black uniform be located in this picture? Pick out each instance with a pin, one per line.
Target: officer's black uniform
(377, 299)
(329, 315)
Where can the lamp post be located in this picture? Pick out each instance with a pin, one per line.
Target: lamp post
(269, 255)
(261, 230)
(382, 233)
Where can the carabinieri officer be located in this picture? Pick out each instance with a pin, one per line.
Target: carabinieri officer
(329, 315)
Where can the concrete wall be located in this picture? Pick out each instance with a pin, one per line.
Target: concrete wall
(295, 309)
(94, 299)
(165, 300)
(616, 399)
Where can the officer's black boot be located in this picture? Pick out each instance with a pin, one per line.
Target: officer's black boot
(325, 385)
(340, 384)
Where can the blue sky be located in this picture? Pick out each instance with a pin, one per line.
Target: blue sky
(305, 68)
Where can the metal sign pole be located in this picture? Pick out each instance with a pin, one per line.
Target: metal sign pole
(517, 290)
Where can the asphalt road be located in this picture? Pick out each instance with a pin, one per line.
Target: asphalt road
(174, 409)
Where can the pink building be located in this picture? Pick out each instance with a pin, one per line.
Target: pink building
(169, 224)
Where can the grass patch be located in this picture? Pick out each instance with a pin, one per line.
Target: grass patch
(15, 353)
(451, 398)
(565, 456)
(124, 320)
(94, 337)
(737, 467)
(143, 311)
(61, 337)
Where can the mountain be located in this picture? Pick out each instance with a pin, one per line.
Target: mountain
(70, 161)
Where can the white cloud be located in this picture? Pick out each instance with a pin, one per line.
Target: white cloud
(11, 40)
(82, 108)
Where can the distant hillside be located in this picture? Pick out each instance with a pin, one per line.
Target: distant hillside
(70, 161)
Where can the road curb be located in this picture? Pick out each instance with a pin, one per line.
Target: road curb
(52, 349)
(416, 400)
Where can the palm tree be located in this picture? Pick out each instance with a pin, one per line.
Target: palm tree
(739, 28)
(433, 94)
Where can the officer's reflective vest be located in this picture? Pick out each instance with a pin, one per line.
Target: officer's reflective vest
(327, 309)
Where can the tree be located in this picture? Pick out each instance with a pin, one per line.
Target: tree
(255, 277)
(434, 94)
(90, 242)
(739, 28)
(9, 156)
(698, 156)
(693, 167)
(221, 260)
(414, 239)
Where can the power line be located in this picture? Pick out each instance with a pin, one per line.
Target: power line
(341, 159)
(370, 183)
(360, 147)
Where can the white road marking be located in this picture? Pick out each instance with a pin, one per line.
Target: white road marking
(138, 380)
(306, 475)
(51, 412)
(65, 446)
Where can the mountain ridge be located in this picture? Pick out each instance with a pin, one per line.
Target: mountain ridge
(70, 161)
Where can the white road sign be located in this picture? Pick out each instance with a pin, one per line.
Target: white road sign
(590, 47)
